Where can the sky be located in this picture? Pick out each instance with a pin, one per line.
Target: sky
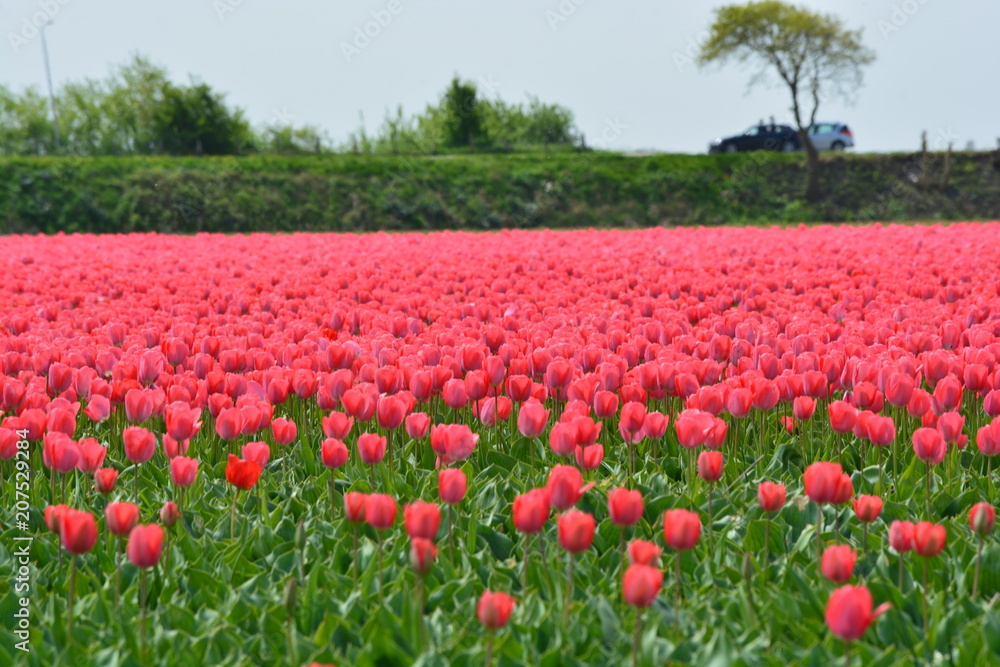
(624, 67)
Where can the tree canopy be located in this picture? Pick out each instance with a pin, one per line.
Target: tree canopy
(813, 54)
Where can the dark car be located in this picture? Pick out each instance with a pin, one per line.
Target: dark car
(759, 138)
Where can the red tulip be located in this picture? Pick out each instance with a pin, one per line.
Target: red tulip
(605, 404)
(121, 517)
(643, 553)
(710, 466)
(929, 445)
(625, 506)
(183, 471)
(655, 425)
(53, 517)
(145, 545)
(105, 480)
(982, 518)
(355, 506)
(242, 474)
(849, 612)
(694, 428)
(182, 421)
(681, 529)
(576, 531)
(337, 425)
(229, 424)
(589, 458)
(901, 536)
(453, 442)
(771, 496)
(494, 609)
(641, 584)
(451, 485)
(838, 563)
(988, 438)
(867, 508)
(98, 408)
(380, 511)
(77, 531)
(60, 452)
(418, 425)
(532, 419)
(140, 444)
(334, 453)
(422, 555)
(371, 448)
(256, 451)
(826, 483)
(803, 407)
(92, 455)
(422, 519)
(929, 539)
(843, 416)
(565, 486)
(531, 510)
(284, 431)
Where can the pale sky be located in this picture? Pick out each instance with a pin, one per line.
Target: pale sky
(622, 66)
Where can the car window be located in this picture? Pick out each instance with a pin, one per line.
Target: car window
(751, 131)
(822, 128)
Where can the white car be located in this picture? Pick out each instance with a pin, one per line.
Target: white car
(831, 136)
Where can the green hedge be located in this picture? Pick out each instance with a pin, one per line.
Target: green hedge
(351, 193)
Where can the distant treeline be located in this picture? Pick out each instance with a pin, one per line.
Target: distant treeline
(138, 110)
(484, 191)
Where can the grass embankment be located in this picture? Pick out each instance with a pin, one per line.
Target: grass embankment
(352, 193)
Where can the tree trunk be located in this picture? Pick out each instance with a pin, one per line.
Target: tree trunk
(813, 193)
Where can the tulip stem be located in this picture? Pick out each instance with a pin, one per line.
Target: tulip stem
(989, 478)
(421, 631)
(979, 563)
(72, 591)
(927, 495)
(819, 530)
(232, 514)
(864, 539)
(677, 594)
(900, 573)
(767, 547)
(489, 648)
(451, 534)
(355, 566)
(118, 571)
(923, 596)
(135, 478)
(847, 654)
(289, 629)
(142, 621)
(711, 542)
(636, 636)
(569, 592)
(379, 534)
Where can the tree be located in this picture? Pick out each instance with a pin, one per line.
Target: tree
(813, 54)
(463, 116)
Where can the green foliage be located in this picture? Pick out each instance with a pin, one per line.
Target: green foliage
(463, 116)
(479, 192)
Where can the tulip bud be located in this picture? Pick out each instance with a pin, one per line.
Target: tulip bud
(290, 596)
(747, 566)
(169, 514)
(300, 536)
(982, 519)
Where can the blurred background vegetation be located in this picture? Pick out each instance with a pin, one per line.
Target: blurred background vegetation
(138, 110)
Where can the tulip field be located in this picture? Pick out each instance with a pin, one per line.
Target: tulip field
(732, 446)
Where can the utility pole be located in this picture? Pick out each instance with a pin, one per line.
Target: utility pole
(48, 75)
